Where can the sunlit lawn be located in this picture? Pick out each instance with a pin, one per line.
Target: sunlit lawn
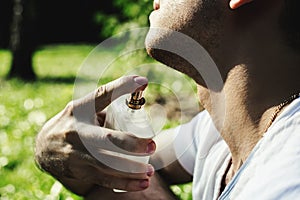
(25, 106)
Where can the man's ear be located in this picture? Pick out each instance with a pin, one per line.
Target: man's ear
(237, 3)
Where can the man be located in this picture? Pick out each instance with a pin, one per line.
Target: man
(245, 145)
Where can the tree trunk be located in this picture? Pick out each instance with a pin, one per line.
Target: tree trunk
(22, 40)
(5, 21)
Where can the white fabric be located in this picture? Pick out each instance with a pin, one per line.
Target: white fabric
(271, 172)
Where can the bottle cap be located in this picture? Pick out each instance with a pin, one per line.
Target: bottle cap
(136, 100)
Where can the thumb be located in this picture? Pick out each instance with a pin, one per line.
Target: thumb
(112, 90)
(100, 98)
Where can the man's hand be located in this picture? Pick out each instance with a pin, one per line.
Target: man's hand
(237, 3)
(158, 190)
(74, 146)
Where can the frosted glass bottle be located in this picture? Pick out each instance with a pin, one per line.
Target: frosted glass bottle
(127, 113)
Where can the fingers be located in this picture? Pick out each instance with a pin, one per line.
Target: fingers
(86, 107)
(158, 189)
(131, 143)
(105, 193)
(87, 168)
(121, 166)
(92, 171)
(95, 138)
(127, 184)
(237, 3)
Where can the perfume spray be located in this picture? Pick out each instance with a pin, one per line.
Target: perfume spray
(127, 113)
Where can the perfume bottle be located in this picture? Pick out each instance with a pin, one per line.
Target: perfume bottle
(127, 113)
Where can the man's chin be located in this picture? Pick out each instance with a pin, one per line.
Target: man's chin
(176, 62)
(163, 49)
(184, 54)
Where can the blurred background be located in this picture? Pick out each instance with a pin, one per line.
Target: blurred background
(42, 46)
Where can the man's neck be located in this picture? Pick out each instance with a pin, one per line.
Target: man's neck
(242, 110)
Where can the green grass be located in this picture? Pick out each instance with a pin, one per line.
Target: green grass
(25, 106)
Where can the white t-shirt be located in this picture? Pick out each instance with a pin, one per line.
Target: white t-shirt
(272, 170)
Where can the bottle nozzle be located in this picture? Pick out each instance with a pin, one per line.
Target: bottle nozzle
(136, 100)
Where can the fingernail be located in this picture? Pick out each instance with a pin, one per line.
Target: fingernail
(144, 183)
(150, 170)
(232, 3)
(141, 80)
(151, 147)
(156, 4)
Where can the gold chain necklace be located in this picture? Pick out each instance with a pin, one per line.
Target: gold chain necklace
(279, 108)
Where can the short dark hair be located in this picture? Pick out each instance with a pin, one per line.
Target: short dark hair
(291, 22)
